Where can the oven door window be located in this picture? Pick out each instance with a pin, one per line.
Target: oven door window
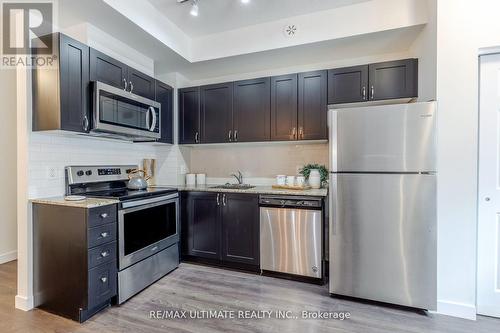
(145, 227)
(117, 110)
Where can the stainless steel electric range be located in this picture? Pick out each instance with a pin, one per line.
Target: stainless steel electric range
(148, 224)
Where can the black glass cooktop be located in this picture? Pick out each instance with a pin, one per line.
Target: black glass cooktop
(125, 194)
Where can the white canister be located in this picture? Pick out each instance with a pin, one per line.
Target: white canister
(190, 179)
(290, 180)
(315, 179)
(281, 180)
(300, 181)
(201, 179)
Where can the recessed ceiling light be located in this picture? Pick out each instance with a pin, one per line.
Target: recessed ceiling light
(194, 8)
(245, 1)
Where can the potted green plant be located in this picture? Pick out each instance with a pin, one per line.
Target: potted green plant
(323, 172)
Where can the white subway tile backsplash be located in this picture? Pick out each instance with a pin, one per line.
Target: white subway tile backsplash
(49, 150)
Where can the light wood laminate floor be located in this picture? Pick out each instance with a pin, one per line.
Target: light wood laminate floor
(193, 287)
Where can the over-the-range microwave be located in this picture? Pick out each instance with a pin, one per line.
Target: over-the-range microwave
(121, 114)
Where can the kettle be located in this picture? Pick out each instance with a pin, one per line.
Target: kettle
(137, 181)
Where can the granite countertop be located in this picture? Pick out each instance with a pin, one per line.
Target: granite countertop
(87, 203)
(256, 190)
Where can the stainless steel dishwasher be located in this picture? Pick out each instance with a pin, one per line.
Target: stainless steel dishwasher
(291, 235)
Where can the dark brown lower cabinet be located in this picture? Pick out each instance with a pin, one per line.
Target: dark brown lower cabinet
(222, 228)
(201, 225)
(240, 228)
(74, 259)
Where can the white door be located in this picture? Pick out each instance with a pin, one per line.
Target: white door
(488, 278)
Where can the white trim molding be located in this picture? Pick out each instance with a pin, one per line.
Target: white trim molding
(8, 256)
(24, 303)
(455, 309)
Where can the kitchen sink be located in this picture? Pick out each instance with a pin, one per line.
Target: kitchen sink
(233, 186)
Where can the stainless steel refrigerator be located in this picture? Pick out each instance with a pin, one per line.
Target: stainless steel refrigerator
(383, 203)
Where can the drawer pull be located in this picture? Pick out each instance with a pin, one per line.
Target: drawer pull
(104, 215)
(104, 254)
(104, 234)
(104, 279)
(154, 248)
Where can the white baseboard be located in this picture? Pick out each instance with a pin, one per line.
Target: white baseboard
(24, 303)
(455, 309)
(8, 256)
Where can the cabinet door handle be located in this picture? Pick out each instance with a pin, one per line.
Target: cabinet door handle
(197, 137)
(104, 254)
(294, 133)
(235, 135)
(218, 200)
(125, 85)
(224, 199)
(363, 93)
(131, 86)
(230, 135)
(104, 215)
(104, 279)
(104, 234)
(372, 92)
(86, 123)
(301, 133)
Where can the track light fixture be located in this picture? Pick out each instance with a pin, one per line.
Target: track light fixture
(194, 11)
(194, 8)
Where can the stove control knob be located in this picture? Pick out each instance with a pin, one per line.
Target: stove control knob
(79, 173)
(88, 172)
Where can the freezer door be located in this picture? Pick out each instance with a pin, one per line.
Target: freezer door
(388, 138)
(383, 238)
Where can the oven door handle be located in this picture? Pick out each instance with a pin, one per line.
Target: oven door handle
(147, 202)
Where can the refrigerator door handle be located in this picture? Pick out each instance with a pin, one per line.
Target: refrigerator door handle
(334, 213)
(333, 142)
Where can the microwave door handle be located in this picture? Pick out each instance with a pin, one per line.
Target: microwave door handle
(153, 125)
(147, 117)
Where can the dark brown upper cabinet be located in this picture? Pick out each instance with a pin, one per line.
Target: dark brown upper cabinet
(61, 97)
(105, 69)
(251, 110)
(141, 84)
(374, 82)
(284, 107)
(393, 79)
(189, 115)
(164, 95)
(313, 109)
(348, 85)
(217, 113)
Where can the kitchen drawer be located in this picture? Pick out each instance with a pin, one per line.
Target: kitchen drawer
(102, 254)
(102, 283)
(101, 234)
(102, 215)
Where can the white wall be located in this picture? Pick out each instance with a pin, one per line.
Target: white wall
(425, 49)
(8, 224)
(463, 28)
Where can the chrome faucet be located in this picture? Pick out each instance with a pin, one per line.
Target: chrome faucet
(239, 177)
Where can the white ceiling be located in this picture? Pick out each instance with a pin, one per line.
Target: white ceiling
(216, 16)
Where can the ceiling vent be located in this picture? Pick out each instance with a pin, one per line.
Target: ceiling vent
(290, 30)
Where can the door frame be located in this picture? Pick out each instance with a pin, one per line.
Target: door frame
(482, 54)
